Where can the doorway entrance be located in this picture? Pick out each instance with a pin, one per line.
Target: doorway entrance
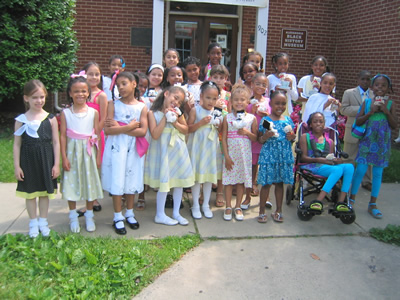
(191, 35)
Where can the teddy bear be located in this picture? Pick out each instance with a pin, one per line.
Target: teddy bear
(171, 116)
(239, 123)
(271, 127)
(216, 117)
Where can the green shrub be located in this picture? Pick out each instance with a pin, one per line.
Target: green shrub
(36, 41)
(391, 234)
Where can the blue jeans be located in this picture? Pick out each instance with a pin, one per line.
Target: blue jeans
(334, 173)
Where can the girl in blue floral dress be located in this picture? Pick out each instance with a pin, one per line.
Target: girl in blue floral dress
(276, 157)
(374, 147)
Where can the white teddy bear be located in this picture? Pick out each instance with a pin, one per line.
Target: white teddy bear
(261, 106)
(271, 127)
(216, 117)
(287, 129)
(239, 123)
(171, 116)
(330, 156)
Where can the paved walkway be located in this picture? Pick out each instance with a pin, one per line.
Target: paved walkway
(319, 259)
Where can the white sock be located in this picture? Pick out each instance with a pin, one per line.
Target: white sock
(73, 214)
(129, 213)
(89, 213)
(207, 187)
(161, 199)
(118, 216)
(196, 195)
(177, 200)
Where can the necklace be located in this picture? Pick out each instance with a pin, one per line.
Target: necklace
(79, 115)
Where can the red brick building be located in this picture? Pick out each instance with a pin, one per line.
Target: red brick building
(352, 35)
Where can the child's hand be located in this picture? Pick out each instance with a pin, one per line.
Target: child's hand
(220, 104)
(337, 161)
(287, 78)
(19, 174)
(206, 120)
(110, 123)
(243, 131)
(55, 172)
(66, 164)
(268, 134)
(228, 163)
(134, 124)
(291, 136)
(383, 108)
(374, 109)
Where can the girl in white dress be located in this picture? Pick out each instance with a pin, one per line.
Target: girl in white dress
(123, 160)
(81, 159)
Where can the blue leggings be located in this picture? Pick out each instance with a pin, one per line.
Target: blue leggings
(376, 179)
(334, 173)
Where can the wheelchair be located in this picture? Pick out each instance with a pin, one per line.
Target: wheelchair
(307, 183)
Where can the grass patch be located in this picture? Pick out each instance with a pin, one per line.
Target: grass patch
(77, 267)
(391, 234)
(391, 173)
(7, 159)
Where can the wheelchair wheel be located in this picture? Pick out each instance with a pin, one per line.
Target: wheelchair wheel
(303, 215)
(348, 219)
(289, 194)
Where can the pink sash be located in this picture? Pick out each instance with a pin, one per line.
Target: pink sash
(91, 139)
(141, 143)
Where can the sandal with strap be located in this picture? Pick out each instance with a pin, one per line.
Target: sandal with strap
(277, 217)
(376, 213)
(262, 218)
(219, 202)
(342, 207)
(316, 205)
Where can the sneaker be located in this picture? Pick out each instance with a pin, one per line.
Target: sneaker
(44, 227)
(207, 212)
(33, 228)
(196, 212)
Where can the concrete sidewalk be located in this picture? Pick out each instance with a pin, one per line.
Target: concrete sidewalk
(293, 260)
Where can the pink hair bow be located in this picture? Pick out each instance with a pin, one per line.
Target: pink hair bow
(81, 74)
(113, 80)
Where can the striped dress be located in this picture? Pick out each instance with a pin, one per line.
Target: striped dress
(167, 161)
(205, 151)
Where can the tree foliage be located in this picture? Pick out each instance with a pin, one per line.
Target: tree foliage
(36, 41)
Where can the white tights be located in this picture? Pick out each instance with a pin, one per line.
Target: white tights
(207, 186)
(162, 197)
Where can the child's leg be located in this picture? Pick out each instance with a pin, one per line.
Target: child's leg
(220, 194)
(348, 172)
(118, 217)
(161, 217)
(239, 196)
(357, 178)
(376, 185)
(73, 217)
(195, 196)
(333, 173)
(89, 216)
(177, 195)
(279, 197)
(228, 202)
(43, 212)
(264, 195)
(141, 203)
(33, 221)
(207, 186)
(129, 214)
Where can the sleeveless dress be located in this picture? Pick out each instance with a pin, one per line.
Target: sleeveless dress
(96, 106)
(167, 161)
(204, 150)
(276, 156)
(374, 148)
(122, 167)
(239, 149)
(82, 182)
(36, 159)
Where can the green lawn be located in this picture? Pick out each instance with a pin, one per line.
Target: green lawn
(77, 267)
(6, 161)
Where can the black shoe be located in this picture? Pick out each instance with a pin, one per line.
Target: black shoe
(133, 225)
(169, 203)
(81, 212)
(122, 230)
(97, 207)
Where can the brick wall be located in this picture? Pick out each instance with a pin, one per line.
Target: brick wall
(104, 28)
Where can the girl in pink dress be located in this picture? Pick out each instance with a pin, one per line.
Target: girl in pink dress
(239, 129)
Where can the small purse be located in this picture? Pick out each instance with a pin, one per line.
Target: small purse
(359, 131)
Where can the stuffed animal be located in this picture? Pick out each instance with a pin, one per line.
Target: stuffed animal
(216, 117)
(270, 126)
(287, 129)
(330, 156)
(254, 101)
(239, 122)
(171, 116)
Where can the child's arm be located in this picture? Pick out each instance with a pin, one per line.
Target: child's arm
(96, 124)
(228, 161)
(156, 130)
(307, 159)
(263, 137)
(143, 125)
(362, 117)
(19, 173)
(180, 125)
(55, 171)
(111, 127)
(251, 134)
(63, 142)
(103, 103)
(389, 113)
(192, 118)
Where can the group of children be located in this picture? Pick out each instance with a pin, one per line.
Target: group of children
(170, 131)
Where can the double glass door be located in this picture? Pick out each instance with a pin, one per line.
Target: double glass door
(191, 35)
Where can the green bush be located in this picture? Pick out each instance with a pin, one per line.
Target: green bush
(390, 235)
(36, 41)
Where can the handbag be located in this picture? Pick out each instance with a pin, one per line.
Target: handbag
(358, 131)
